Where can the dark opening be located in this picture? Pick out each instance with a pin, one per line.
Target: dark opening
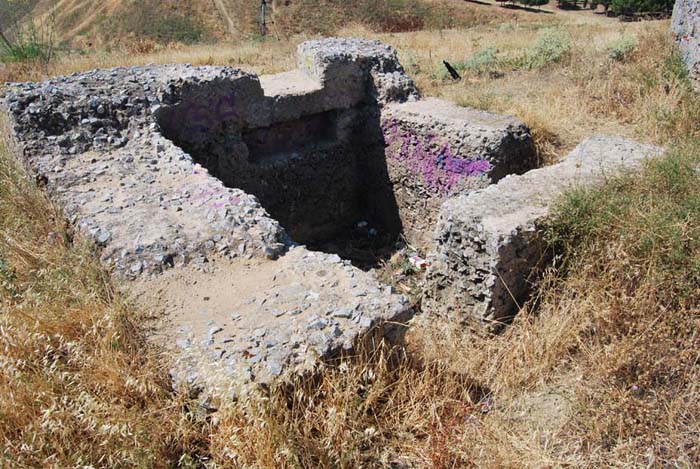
(280, 141)
(323, 177)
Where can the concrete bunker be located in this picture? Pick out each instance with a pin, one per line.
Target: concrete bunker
(190, 163)
(342, 152)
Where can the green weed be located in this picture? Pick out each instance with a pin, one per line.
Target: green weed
(552, 45)
(622, 48)
(654, 216)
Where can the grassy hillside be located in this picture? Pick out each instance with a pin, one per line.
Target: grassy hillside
(82, 23)
(601, 370)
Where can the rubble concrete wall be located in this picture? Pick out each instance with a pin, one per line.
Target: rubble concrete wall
(488, 242)
(179, 172)
(437, 150)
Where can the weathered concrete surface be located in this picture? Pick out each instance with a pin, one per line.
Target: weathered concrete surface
(157, 204)
(437, 150)
(130, 153)
(343, 65)
(92, 138)
(487, 242)
(252, 320)
(504, 142)
(686, 29)
(97, 138)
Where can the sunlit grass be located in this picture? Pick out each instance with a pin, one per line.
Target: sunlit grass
(601, 370)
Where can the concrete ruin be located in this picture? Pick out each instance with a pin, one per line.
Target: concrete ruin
(686, 30)
(229, 203)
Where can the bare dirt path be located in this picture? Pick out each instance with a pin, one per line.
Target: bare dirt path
(224, 12)
(550, 9)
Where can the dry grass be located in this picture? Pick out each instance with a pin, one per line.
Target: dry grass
(601, 370)
(587, 92)
(329, 16)
(78, 384)
(110, 23)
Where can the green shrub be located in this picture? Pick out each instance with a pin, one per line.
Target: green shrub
(622, 48)
(567, 4)
(675, 68)
(533, 3)
(551, 46)
(484, 62)
(654, 212)
(22, 38)
(630, 7)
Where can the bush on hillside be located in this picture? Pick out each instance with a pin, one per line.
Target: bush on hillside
(631, 7)
(621, 49)
(567, 4)
(527, 3)
(605, 3)
(23, 38)
(581, 4)
(484, 62)
(25, 46)
(533, 3)
(551, 46)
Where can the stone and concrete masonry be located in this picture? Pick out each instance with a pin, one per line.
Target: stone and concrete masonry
(201, 186)
(488, 242)
(686, 29)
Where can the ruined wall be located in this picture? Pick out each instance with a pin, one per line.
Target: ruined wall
(304, 171)
(342, 140)
(686, 30)
(310, 151)
(199, 175)
(437, 150)
(489, 243)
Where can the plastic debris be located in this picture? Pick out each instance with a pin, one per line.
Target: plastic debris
(418, 262)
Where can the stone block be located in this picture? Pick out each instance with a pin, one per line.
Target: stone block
(488, 242)
(437, 150)
(349, 68)
(685, 27)
(180, 173)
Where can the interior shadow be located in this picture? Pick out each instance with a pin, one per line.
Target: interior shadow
(323, 176)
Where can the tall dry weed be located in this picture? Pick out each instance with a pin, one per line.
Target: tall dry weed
(79, 386)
